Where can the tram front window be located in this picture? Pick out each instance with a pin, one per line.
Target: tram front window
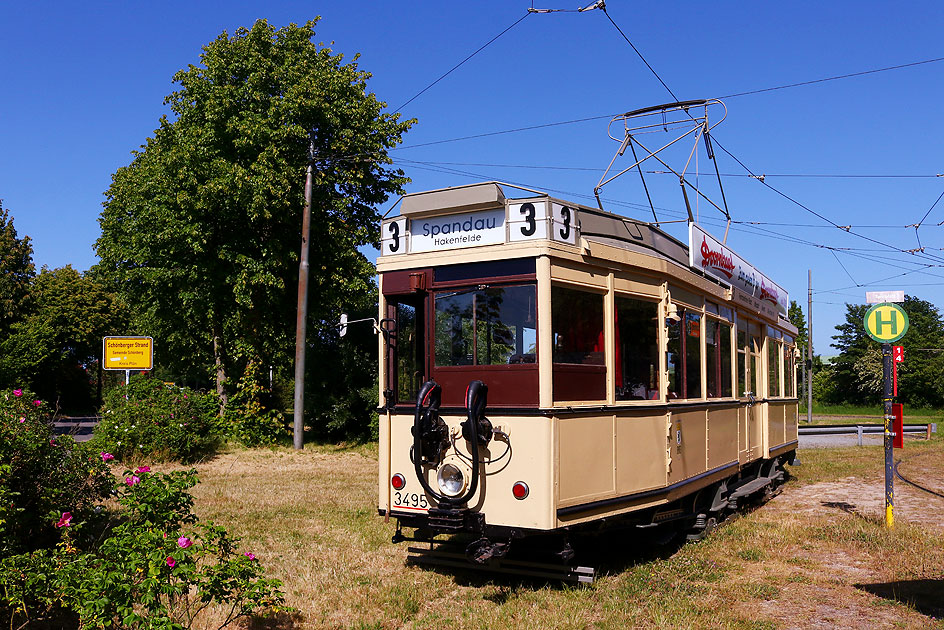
(486, 326)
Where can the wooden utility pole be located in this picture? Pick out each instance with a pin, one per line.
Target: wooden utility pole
(301, 319)
(809, 351)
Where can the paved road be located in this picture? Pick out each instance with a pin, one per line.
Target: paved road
(832, 441)
(79, 428)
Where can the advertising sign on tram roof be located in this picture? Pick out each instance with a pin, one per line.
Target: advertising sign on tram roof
(706, 253)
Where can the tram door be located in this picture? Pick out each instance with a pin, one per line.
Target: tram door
(749, 388)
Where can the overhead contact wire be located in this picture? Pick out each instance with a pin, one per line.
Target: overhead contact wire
(456, 67)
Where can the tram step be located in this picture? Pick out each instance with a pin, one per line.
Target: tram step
(750, 487)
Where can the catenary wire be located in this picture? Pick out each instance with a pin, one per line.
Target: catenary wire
(456, 67)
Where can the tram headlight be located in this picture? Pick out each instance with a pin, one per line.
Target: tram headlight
(451, 480)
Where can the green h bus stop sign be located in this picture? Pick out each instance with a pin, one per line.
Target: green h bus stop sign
(886, 322)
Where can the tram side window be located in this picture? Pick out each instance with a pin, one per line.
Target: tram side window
(718, 358)
(683, 355)
(692, 355)
(637, 349)
(742, 362)
(789, 369)
(409, 351)
(486, 326)
(579, 369)
(773, 367)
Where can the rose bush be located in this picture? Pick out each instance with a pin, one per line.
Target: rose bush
(156, 566)
(42, 475)
(157, 422)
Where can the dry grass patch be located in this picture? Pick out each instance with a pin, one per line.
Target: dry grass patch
(311, 519)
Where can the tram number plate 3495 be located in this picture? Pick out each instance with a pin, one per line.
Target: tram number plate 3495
(410, 501)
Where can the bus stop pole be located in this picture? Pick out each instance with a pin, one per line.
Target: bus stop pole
(889, 457)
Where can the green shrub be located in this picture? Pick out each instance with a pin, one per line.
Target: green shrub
(41, 475)
(247, 419)
(156, 567)
(157, 422)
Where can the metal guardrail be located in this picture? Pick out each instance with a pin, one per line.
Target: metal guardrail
(862, 429)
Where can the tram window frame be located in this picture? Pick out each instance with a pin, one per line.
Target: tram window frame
(519, 337)
(718, 358)
(750, 352)
(583, 380)
(403, 393)
(774, 363)
(684, 383)
(789, 367)
(630, 352)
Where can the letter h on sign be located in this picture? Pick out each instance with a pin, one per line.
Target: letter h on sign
(892, 321)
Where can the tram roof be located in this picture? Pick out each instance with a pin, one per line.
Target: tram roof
(596, 224)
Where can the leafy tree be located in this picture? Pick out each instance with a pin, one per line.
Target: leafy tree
(200, 233)
(857, 375)
(16, 272)
(55, 348)
(795, 314)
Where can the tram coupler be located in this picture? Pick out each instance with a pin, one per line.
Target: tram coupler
(483, 550)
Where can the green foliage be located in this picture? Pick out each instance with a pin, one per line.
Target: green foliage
(247, 418)
(795, 314)
(156, 567)
(58, 341)
(157, 421)
(41, 475)
(856, 377)
(200, 233)
(16, 272)
(341, 390)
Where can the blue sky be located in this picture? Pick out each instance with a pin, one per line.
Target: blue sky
(83, 85)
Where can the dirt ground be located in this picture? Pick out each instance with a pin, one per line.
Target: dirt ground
(843, 588)
(866, 497)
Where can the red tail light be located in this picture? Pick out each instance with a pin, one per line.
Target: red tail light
(398, 481)
(520, 490)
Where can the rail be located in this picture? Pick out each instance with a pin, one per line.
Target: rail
(861, 429)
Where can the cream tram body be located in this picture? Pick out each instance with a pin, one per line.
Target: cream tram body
(621, 381)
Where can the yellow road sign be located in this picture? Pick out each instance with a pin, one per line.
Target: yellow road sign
(127, 353)
(886, 322)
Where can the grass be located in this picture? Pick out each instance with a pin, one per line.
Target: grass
(310, 518)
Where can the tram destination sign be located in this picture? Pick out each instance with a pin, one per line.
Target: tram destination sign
(127, 353)
(522, 220)
(707, 254)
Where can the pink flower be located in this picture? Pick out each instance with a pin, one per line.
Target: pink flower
(171, 562)
(107, 456)
(133, 480)
(250, 555)
(142, 469)
(66, 520)
(183, 542)
(17, 392)
(37, 402)
(22, 419)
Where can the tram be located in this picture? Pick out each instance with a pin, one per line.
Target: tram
(548, 367)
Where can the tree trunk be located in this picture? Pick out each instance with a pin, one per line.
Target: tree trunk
(218, 353)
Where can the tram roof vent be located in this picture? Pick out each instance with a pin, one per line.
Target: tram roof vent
(451, 200)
